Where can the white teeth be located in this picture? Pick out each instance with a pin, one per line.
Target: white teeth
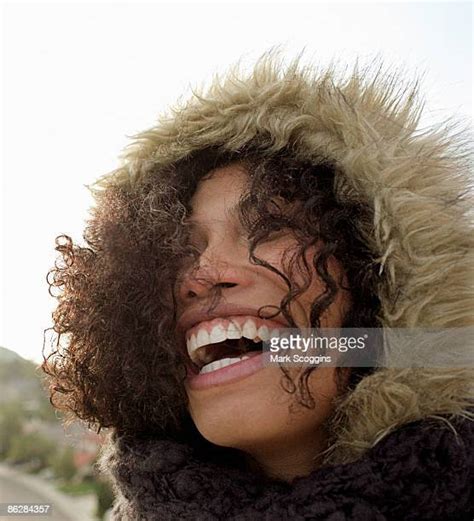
(234, 331)
(213, 366)
(218, 364)
(263, 333)
(218, 334)
(202, 338)
(249, 330)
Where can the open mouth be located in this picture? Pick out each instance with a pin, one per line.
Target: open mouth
(221, 342)
(215, 356)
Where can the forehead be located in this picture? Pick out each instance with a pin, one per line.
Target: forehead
(219, 191)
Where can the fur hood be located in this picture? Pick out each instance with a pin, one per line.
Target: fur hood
(416, 183)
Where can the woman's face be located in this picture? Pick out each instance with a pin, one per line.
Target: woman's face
(243, 404)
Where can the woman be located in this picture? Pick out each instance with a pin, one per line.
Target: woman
(284, 198)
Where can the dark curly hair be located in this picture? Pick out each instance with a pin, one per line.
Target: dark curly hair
(116, 362)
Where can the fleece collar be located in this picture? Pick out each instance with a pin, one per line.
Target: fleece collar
(422, 471)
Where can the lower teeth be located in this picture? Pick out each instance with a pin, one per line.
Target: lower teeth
(218, 364)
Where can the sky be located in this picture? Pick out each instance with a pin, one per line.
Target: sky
(78, 80)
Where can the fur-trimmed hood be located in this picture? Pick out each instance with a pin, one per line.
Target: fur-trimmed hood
(416, 182)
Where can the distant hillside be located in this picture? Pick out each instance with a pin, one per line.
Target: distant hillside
(20, 381)
(7, 355)
(24, 398)
(14, 367)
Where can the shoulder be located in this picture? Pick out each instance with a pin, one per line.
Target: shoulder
(428, 466)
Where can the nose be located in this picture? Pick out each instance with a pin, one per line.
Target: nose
(210, 276)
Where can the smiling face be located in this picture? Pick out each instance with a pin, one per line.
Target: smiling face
(236, 401)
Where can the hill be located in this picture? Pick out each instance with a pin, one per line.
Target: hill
(7, 355)
(20, 382)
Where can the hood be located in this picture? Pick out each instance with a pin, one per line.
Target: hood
(416, 182)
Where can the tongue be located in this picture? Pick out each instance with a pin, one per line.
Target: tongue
(226, 349)
(252, 353)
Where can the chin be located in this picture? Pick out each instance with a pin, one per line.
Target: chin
(251, 423)
(233, 423)
(255, 411)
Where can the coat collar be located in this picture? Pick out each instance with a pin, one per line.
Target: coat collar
(420, 471)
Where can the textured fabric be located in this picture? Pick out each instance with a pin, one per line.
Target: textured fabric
(421, 471)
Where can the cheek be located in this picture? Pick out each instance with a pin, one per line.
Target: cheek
(282, 254)
(334, 314)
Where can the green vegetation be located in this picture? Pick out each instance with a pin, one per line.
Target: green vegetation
(26, 421)
(78, 489)
(105, 498)
(31, 448)
(62, 463)
(11, 425)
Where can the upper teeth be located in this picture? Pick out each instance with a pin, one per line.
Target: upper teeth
(223, 330)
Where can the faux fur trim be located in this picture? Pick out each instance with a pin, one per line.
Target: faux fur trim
(417, 183)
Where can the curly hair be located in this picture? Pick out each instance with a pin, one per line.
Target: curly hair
(119, 365)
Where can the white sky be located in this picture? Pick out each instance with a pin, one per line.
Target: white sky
(79, 78)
